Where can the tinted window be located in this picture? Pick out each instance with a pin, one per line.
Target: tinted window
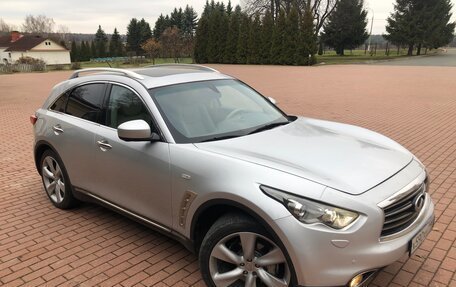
(59, 104)
(86, 102)
(124, 105)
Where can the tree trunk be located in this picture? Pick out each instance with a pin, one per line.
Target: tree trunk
(340, 51)
(410, 50)
(418, 51)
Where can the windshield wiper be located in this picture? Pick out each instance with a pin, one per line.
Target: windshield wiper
(268, 127)
(221, 138)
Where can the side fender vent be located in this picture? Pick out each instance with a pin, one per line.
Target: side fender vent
(187, 200)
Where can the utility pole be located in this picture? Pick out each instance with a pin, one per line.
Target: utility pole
(372, 26)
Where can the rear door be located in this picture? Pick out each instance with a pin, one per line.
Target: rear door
(132, 175)
(73, 120)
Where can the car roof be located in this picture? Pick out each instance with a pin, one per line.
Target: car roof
(158, 75)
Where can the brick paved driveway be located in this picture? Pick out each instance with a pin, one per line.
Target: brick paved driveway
(41, 245)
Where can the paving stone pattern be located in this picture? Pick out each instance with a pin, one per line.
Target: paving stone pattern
(92, 246)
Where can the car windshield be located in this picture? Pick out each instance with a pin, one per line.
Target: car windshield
(214, 110)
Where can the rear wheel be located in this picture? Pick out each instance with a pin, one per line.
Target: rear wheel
(237, 251)
(55, 181)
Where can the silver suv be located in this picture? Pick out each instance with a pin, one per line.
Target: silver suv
(263, 198)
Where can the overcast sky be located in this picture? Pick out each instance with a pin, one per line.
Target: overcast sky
(84, 16)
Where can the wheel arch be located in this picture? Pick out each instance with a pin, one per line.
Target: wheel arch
(210, 211)
(40, 147)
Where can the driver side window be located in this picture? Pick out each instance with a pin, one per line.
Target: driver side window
(123, 106)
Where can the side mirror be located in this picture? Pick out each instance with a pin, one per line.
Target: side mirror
(272, 100)
(137, 130)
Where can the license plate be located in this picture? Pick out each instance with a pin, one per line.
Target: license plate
(421, 236)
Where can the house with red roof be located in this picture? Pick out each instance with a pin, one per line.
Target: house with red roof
(16, 45)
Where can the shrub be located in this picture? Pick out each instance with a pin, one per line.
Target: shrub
(75, 66)
(59, 67)
(36, 64)
(30, 61)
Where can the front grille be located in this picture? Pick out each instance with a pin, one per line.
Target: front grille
(401, 214)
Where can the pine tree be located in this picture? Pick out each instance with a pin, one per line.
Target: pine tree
(346, 27)
(115, 45)
(439, 31)
(222, 32)
(138, 32)
(229, 8)
(291, 43)
(93, 50)
(145, 33)
(202, 37)
(278, 40)
(133, 36)
(255, 41)
(215, 49)
(101, 42)
(85, 51)
(177, 18)
(74, 53)
(232, 37)
(242, 52)
(420, 22)
(308, 40)
(160, 25)
(190, 22)
(267, 29)
(401, 25)
(82, 52)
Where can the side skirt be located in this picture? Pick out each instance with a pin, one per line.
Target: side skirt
(87, 196)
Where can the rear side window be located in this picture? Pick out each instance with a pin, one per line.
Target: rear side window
(86, 102)
(60, 103)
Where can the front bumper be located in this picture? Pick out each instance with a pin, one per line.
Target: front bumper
(324, 257)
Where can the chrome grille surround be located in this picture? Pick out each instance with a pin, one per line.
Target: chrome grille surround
(402, 210)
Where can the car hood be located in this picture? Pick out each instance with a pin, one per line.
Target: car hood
(344, 157)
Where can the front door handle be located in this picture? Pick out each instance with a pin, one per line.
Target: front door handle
(104, 145)
(57, 129)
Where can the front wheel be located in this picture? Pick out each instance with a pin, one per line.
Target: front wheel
(237, 251)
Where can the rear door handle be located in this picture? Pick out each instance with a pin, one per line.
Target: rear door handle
(104, 145)
(57, 129)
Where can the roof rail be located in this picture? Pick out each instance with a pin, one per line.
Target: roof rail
(124, 72)
(191, 66)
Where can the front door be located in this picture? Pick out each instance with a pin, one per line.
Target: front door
(132, 175)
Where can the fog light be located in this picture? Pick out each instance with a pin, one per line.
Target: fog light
(356, 281)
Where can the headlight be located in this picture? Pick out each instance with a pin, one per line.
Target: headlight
(309, 212)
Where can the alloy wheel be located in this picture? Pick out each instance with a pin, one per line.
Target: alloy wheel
(248, 259)
(54, 182)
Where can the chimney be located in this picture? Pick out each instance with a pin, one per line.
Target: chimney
(15, 35)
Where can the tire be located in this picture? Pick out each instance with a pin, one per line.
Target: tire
(56, 182)
(225, 259)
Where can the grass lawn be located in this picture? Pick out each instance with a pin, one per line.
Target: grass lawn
(359, 56)
(122, 65)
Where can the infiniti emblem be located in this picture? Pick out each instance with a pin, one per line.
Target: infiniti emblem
(418, 202)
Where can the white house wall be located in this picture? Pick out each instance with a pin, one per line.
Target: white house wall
(4, 55)
(49, 57)
(48, 45)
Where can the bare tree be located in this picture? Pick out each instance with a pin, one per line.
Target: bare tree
(63, 33)
(40, 24)
(321, 9)
(152, 48)
(5, 27)
(172, 42)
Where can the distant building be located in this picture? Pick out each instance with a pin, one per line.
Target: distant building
(16, 45)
